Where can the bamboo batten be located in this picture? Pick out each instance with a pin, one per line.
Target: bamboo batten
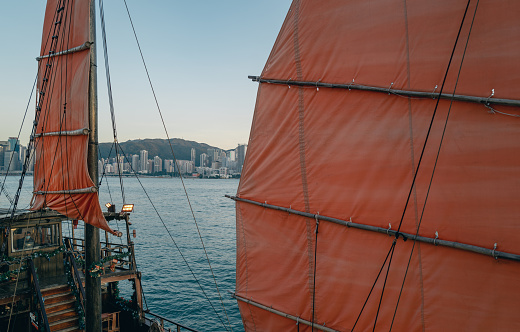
(405, 236)
(284, 314)
(406, 93)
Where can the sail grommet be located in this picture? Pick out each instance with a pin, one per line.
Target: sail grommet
(433, 92)
(436, 237)
(494, 249)
(389, 228)
(317, 221)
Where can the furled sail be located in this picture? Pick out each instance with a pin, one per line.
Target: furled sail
(342, 170)
(61, 179)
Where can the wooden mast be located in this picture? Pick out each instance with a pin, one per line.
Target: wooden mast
(92, 238)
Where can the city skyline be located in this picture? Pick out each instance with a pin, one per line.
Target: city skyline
(188, 47)
(215, 162)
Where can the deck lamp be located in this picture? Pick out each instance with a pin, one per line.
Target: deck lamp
(111, 207)
(127, 208)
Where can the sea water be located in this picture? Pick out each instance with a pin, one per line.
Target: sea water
(177, 281)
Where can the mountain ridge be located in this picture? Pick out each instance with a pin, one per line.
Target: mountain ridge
(157, 147)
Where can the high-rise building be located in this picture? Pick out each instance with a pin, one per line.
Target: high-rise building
(168, 166)
(193, 155)
(210, 156)
(149, 168)
(135, 163)
(143, 159)
(157, 164)
(232, 155)
(184, 166)
(240, 155)
(204, 160)
(14, 144)
(11, 161)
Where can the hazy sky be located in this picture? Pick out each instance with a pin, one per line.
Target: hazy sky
(198, 53)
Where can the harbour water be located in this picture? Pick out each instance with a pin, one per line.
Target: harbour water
(171, 288)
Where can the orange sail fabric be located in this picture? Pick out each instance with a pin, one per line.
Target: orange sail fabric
(62, 132)
(353, 154)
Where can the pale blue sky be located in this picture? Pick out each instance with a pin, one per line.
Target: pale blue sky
(198, 53)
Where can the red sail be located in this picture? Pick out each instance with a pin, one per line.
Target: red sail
(351, 154)
(61, 179)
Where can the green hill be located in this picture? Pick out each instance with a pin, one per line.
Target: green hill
(157, 147)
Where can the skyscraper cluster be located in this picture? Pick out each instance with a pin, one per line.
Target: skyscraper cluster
(12, 156)
(212, 163)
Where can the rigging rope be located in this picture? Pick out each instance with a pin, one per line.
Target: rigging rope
(110, 99)
(435, 164)
(175, 243)
(397, 234)
(176, 163)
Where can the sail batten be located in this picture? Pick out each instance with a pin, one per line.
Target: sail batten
(354, 154)
(61, 179)
(390, 232)
(68, 192)
(298, 320)
(82, 47)
(408, 93)
(83, 131)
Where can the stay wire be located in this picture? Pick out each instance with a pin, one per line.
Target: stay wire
(372, 289)
(108, 186)
(434, 166)
(176, 246)
(104, 171)
(422, 153)
(175, 159)
(392, 249)
(432, 120)
(110, 98)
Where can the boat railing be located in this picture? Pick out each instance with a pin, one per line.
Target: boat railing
(76, 279)
(162, 319)
(113, 255)
(38, 294)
